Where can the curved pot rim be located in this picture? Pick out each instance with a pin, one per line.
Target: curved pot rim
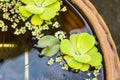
(112, 64)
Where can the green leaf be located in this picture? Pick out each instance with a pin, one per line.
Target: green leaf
(48, 2)
(50, 51)
(27, 1)
(96, 59)
(24, 12)
(73, 39)
(84, 58)
(35, 20)
(92, 50)
(66, 47)
(85, 42)
(38, 2)
(47, 14)
(47, 41)
(73, 63)
(5, 0)
(85, 67)
(55, 6)
(34, 9)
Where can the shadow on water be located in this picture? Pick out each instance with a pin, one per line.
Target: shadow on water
(12, 60)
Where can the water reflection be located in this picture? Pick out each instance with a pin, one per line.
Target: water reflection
(39, 70)
(14, 69)
(8, 45)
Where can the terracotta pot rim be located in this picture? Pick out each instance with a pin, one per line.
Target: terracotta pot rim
(112, 64)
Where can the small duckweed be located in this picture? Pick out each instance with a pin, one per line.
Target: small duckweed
(96, 73)
(14, 25)
(65, 67)
(4, 28)
(6, 15)
(88, 74)
(2, 23)
(39, 36)
(17, 20)
(94, 79)
(17, 31)
(56, 25)
(58, 59)
(64, 9)
(45, 27)
(51, 61)
(60, 35)
(23, 30)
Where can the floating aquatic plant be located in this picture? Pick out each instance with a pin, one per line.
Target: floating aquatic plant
(33, 15)
(3, 26)
(80, 51)
(50, 45)
(51, 61)
(40, 9)
(60, 35)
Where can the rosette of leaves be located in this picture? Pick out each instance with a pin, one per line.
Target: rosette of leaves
(80, 51)
(40, 10)
(50, 45)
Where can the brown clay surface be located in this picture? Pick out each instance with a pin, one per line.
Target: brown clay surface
(110, 11)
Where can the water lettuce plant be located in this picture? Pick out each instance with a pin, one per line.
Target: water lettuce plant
(50, 45)
(40, 10)
(80, 51)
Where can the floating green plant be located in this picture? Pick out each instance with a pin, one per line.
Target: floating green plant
(80, 51)
(40, 9)
(30, 15)
(50, 45)
(60, 35)
(51, 61)
(3, 26)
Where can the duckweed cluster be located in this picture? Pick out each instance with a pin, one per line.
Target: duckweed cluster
(60, 35)
(51, 61)
(65, 67)
(58, 60)
(3, 26)
(23, 17)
